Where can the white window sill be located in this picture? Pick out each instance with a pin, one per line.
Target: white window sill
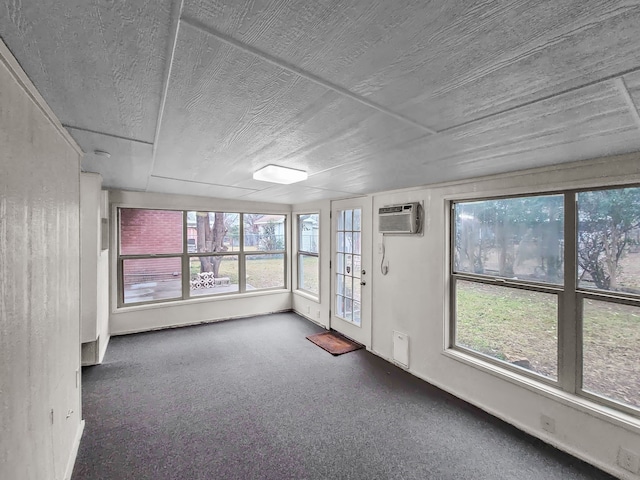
(307, 295)
(191, 301)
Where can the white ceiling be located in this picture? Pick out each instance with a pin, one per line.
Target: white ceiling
(193, 96)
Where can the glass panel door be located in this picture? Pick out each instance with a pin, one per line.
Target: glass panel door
(348, 266)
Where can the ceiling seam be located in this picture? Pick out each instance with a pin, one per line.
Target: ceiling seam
(251, 190)
(227, 39)
(624, 91)
(112, 135)
(542, 99)
(171, 51)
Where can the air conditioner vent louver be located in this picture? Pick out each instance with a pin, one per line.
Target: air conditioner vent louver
(404, 218)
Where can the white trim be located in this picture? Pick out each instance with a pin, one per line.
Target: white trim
(74, 451)
(12, 65)
(307, 295)
(102, 348)
(295, 252)
(547, 438)
(583, 405)
(208, 298)
(191, 324)
(624, 92)
(312, 320)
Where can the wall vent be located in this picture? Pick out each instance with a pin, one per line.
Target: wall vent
(401, 349)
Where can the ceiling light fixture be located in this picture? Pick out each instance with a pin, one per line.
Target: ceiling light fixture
(276, 174)
(102, 153)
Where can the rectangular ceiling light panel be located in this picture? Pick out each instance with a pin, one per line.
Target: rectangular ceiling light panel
(276, 174)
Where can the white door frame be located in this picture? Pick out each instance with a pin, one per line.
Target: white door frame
(362, 333)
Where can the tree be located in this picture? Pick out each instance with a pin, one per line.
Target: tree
(470, 244)
(269, 240)
(607, 220)
(251, 229)
(516, 229)
(210, 239)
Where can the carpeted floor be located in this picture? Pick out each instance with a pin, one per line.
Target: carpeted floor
(254, 399)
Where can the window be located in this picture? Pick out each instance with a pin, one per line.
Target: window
(150, 255)
(519, 278)
(166, 255)
(215, 237)
(608, 278)
(308, 264)
(264, 240)
(507, 269)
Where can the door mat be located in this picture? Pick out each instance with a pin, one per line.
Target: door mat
(334, 343)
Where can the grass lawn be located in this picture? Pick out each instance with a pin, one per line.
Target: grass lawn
(512, 325)
(263, 271)
(311, 274)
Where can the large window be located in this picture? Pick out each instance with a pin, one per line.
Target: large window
(151, 251)
(213, 258)
(308, 264)
(549, 286)
(168, 255)
(264, 241)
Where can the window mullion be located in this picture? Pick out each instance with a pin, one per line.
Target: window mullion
(569, 363)
(242, 270)
(186, 260)
(120, 267)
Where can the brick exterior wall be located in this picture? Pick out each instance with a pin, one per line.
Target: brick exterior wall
(148, 232)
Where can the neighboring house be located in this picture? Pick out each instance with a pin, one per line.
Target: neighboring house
(271, 232)
(310, 234)
(150, 231)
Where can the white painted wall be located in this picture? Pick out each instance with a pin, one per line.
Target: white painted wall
(40, 415)
(413, 299)
(187, 312)
(94, 272)
(103, 304)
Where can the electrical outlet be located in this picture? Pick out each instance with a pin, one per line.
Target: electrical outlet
(628, 460)
(548, 424)
(308, 309)
(318, 313)
(380, 248)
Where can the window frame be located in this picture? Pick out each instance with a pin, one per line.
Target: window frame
(244, 254)
(186, 256)
(300, 253)
(187, 283)
(121, 258)
(570, 358)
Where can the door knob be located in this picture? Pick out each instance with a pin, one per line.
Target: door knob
(363, 283)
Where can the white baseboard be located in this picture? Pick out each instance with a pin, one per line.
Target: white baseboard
(611, 469)
(74, 452)
(312, 320)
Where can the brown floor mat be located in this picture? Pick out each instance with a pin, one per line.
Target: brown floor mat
(334, 343)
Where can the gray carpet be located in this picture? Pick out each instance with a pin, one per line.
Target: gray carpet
(253, 399)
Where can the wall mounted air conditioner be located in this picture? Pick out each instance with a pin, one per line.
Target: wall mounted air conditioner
(406, 218)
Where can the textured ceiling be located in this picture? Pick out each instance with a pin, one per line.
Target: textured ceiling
(193, 96)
